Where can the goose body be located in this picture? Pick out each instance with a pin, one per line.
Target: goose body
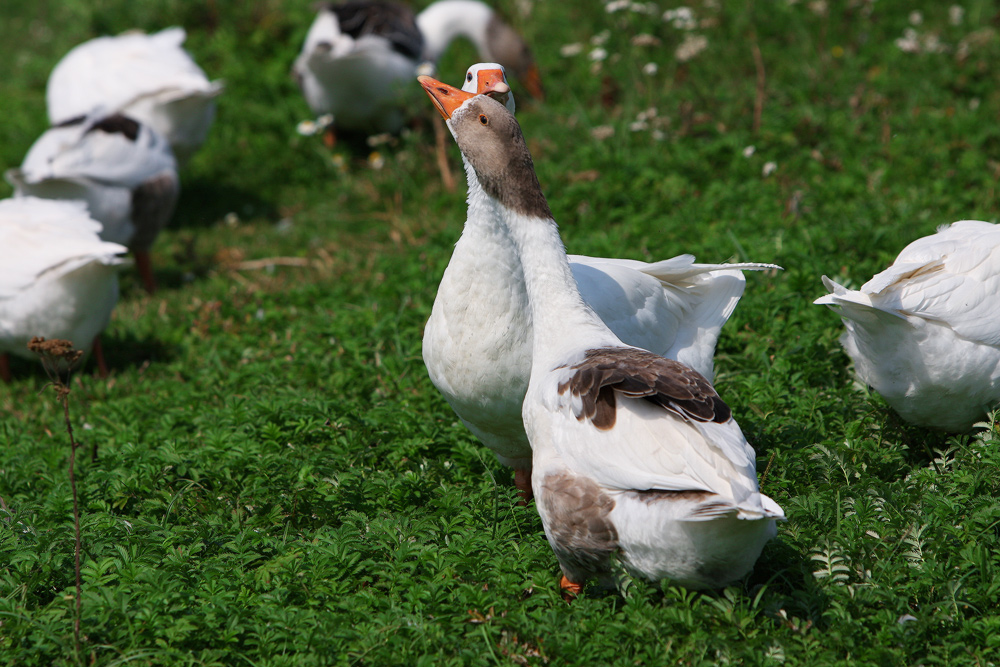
(634, 455)
(60, 280)
(360, 56)
(123, 169)
(477, 342)
(150, 78)
(925, 333)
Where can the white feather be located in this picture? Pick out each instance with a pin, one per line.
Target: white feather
(925, 333)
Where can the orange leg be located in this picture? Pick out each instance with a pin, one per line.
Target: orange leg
(102, 368)
(329, 137)
(145, 267)
(522, 480)
(5, 367)
(569, 589)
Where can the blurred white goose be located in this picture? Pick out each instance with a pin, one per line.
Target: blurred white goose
(148, 77)
(925, 333)
(477, 342)
(360, 56)
(123, 170)
(60, 280)
(634, 455)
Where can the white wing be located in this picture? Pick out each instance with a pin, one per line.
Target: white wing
(114, 72)
(675, 307)
(41, 235)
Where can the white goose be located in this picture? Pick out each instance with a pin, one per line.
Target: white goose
(925, 333)
(148, 77)
(123, 170)
(60, 280)
(360, 56)
(477, 342)
(634, 455)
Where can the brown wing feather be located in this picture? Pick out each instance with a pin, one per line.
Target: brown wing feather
(604, 372)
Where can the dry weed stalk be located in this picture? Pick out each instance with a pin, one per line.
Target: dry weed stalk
(58, 358)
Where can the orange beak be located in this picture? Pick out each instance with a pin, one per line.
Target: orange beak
(446, 98)
(490, 82)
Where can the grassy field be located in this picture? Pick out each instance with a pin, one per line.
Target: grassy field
(278, 483)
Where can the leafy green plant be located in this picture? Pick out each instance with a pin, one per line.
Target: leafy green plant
(280, 484)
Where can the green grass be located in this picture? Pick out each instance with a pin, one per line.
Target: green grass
(278, 483)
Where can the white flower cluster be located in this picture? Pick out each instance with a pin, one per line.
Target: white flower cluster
(681, 18)
(626, 5)
(690, 47)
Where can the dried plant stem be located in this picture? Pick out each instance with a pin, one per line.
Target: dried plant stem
(58, 357)
(440, 150)
(76, 514)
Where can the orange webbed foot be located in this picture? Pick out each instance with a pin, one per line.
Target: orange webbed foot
(569, 590)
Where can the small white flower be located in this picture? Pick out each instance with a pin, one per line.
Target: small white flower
(916, 18)
(658, 135)
(909, 42)
(600, 37)
(649, 69)
(681, 18)
(818, 7)
(306, 128)
(749, 150)
(616, 6)
(973, 104)
(690, 47)
(956, 14)
(375, 160)
(602, 132)
(645, 39)
(570, 50)
(638, 126)
(598, 54)
(769, 168)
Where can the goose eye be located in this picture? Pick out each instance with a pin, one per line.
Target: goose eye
(468, 76)
(483, 119)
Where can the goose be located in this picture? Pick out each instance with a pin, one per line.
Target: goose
(60, 280)
(634, 455)
(150, 78)
(123, 169)
(360, 56)
(489, 79)
(925, 332)
(477, 341)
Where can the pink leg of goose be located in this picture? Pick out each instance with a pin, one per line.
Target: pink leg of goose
(102, 368)
(145, 268)
(522, 480)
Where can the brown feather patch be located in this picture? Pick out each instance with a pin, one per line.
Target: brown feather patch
(117, 124)
(656, 495)
(640, 374)
(582, 535)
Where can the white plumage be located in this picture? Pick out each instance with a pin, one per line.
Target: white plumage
(123, 169)
(360, 56)
(60, 280)
(634, 455)
(148, 77)
(477, 342)
(925, 333)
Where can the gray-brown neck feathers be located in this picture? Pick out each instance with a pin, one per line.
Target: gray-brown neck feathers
(491, 141)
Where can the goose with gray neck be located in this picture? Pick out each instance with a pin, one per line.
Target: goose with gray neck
(634, 456)
(477, 342)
